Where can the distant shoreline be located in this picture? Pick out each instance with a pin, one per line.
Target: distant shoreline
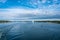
(40, 20)
(37, 20)
(4, 21)
(31, 20)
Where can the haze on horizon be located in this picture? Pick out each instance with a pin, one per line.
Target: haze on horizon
(29, 9)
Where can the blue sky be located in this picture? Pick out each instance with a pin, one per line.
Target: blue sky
(28, 3)
(13, 9)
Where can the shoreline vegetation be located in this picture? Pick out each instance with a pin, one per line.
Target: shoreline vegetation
(4, 21)
(49, 21)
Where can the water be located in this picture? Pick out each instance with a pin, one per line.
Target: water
(30, 31)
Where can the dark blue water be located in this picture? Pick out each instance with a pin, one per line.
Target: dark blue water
(30, 31)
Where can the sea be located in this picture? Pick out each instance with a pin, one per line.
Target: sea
(27, 30)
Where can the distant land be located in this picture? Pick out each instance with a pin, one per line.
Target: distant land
(4, 21)
(32, 20)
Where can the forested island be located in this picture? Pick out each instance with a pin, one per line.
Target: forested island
(53, 21)
(4, 21)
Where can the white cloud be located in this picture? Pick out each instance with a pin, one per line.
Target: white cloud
(3, 1)
(44, 1)
(55, 0)
(49, 1)
(13, 13)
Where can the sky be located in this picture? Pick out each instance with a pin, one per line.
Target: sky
(13, 9)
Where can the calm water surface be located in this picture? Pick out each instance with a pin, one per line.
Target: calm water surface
(30, 31)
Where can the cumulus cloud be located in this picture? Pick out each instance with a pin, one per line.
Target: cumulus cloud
(44, 1)
(47, 3)
(3, 1)
(49, 10)
(13, 13)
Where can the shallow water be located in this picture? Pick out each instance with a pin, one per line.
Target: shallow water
(30, 31)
